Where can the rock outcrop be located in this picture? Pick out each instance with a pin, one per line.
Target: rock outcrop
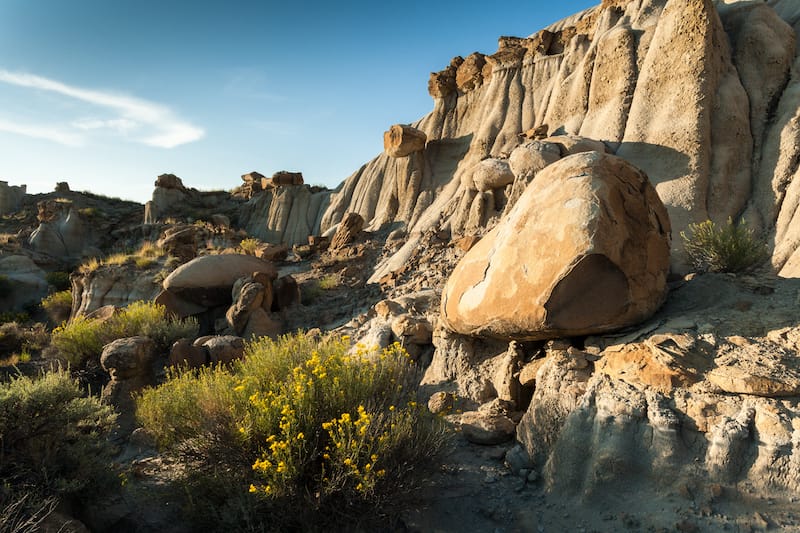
(585, 250)
(24, 282)
(208, 280)
(646, 79)
(11, 197)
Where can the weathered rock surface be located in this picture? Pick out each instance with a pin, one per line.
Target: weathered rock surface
(712, 379)
(648, 79)
(492, 174)
(586, 249)
(129, 362)
(349, 228)
(11, 197)
(287, 214)
(113, 285)
(26, 281)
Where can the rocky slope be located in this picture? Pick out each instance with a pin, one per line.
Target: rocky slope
(701, 96)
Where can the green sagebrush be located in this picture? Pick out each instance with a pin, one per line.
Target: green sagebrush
(728, 248)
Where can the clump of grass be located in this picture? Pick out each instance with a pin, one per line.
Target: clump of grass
(90, 266)
(54, 439)
(328, 282)
(58, 305)
(82, 339)
(150, 249)
(249, 246)
(144, 262)
(729, 248)
(300, 431)
(89, 213)
(313, 289)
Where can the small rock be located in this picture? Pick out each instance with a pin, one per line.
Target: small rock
(486, 428)
(441, 402)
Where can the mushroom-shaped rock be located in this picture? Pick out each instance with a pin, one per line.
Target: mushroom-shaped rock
(492, 174)
(208, 280)
(585, 250)
(401, 140)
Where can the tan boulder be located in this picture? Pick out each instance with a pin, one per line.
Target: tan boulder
(224, 349)
(282, 178)
(401, 140)
(492, 174)
(208, 280)
(586, 249)
(487, 428)
(469, 74)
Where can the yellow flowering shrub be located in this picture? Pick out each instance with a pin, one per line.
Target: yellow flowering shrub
(307, 428)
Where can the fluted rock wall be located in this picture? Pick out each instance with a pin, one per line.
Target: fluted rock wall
(703, 97)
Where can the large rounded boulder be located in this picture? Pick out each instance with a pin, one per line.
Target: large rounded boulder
(208, 280)
(585, 250)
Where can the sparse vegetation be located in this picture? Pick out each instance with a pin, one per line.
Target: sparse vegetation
(249, 246)
(313, 289)
(82, 338)
(58, 280)
(144, 257)
(54, 444)
(729, 248)
(58, 305)
(89, 213)
(299, 433)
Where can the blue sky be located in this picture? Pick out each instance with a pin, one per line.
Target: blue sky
(107, 94)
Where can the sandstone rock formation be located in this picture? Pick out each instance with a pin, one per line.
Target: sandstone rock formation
(25, 282)
(648, 78)
(10, 197)
(115, 285)
(347, 231)
(129, 363)
(585, 249)
(401, 140)
(208, 280)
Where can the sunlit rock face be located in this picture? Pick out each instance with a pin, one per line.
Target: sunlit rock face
(584, 250)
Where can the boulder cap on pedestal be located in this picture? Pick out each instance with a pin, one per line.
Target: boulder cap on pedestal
(208, 280)
(401, 140)
(585, 250)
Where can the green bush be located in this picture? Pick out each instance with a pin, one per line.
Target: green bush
(54, 439)
(59, 280)
(299, 431)
(58, 305)
(14, 316)
(82, 338)
(730, 248)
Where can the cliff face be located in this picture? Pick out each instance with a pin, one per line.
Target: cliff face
(704, 97)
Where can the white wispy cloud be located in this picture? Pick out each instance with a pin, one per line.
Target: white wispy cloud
(153, 123)
(40, 131)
